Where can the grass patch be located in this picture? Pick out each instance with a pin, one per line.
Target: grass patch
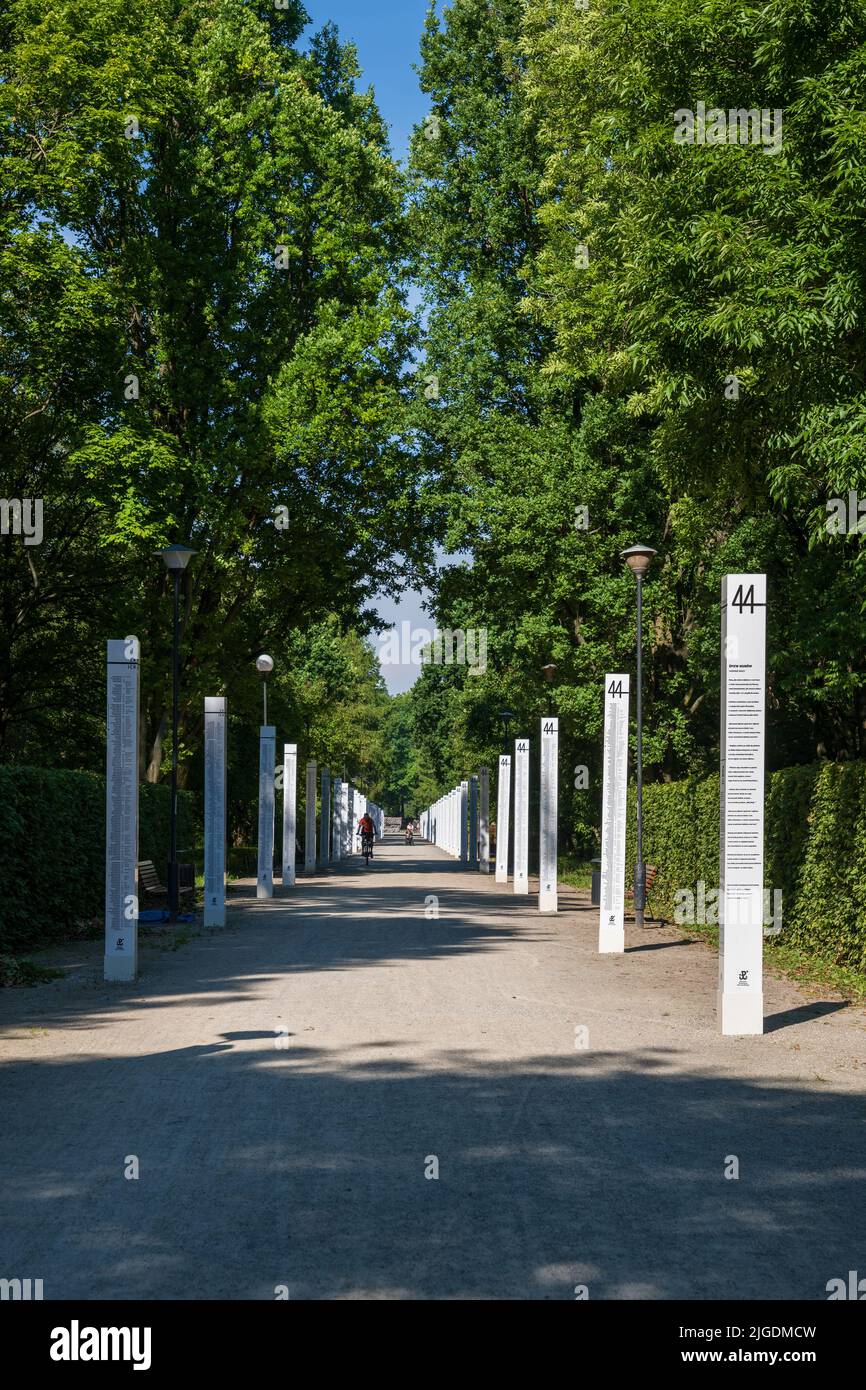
(574, 871)
(807, 969)
(15, 972)
(792, 961)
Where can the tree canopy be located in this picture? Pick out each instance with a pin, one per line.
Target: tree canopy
(205, 335)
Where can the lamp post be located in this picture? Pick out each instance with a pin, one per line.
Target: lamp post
(264, 666)
(506, 715)
(175, 558)
(639, 558)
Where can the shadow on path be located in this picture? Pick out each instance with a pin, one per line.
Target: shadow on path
(307, 1167)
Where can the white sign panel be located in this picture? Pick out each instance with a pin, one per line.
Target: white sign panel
(611, 928)
(267, 753)
(214, 811)
(741, 874)
(503, 817)
(549, 817)
(521, 815)
(121, 811)
(290, 811)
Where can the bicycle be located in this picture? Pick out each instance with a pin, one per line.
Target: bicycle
(367, 848)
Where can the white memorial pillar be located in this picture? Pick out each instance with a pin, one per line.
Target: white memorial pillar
(521, 815)
(473, 822)
(310, 821)
(611, 917)
(267, 754)
(336, 821)
(548, 842)
(325, 829)
(214, 811)
(290, 811)
(503, 817)
(121, 810)
(345, 823)
(463, 829)
(484, 820)
(741, 874)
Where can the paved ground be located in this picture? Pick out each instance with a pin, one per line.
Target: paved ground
(299, 1159)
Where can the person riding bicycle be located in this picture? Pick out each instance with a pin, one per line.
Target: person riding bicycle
(410, 831)
(367, 832)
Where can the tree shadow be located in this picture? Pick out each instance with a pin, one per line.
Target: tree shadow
(269, 1162)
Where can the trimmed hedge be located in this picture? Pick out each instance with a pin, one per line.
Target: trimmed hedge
(814, 851)
(52, 849)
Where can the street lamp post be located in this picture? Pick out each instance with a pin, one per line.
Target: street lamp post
(264, 666)
(506, 715)
(639, 558)
(175, 558)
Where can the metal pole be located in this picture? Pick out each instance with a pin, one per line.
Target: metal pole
(265, 693)
(175, 663)
(639, 873)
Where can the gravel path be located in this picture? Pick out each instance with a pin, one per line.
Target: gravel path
(290, 1086)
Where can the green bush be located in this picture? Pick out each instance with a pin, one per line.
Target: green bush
(52, 849)
(814, 851)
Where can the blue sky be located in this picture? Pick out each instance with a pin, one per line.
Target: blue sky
(387, 34)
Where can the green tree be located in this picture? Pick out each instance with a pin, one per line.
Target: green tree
(203, 337)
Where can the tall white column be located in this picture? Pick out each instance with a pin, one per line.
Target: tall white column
(503, 817)
(741, 896)
(325, 830)
(345, 822)
(214, 811)
(521, 815)
(473, 822)
(310, 821)
(484, 820)
(121, 810)
(267, 754)
(290, 811)
(548, 867)
(611, 915)
(336, 821)
(463, 811)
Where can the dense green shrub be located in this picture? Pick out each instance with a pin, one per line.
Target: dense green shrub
(828, 914)
(814, 851)
(52, 849)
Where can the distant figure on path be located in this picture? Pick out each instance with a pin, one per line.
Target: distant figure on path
(367, 832)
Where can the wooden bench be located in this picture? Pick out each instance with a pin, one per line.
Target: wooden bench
(651, 872)
(149, 884)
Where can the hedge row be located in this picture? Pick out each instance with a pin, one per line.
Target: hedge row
(52, 849)
(814, 851)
